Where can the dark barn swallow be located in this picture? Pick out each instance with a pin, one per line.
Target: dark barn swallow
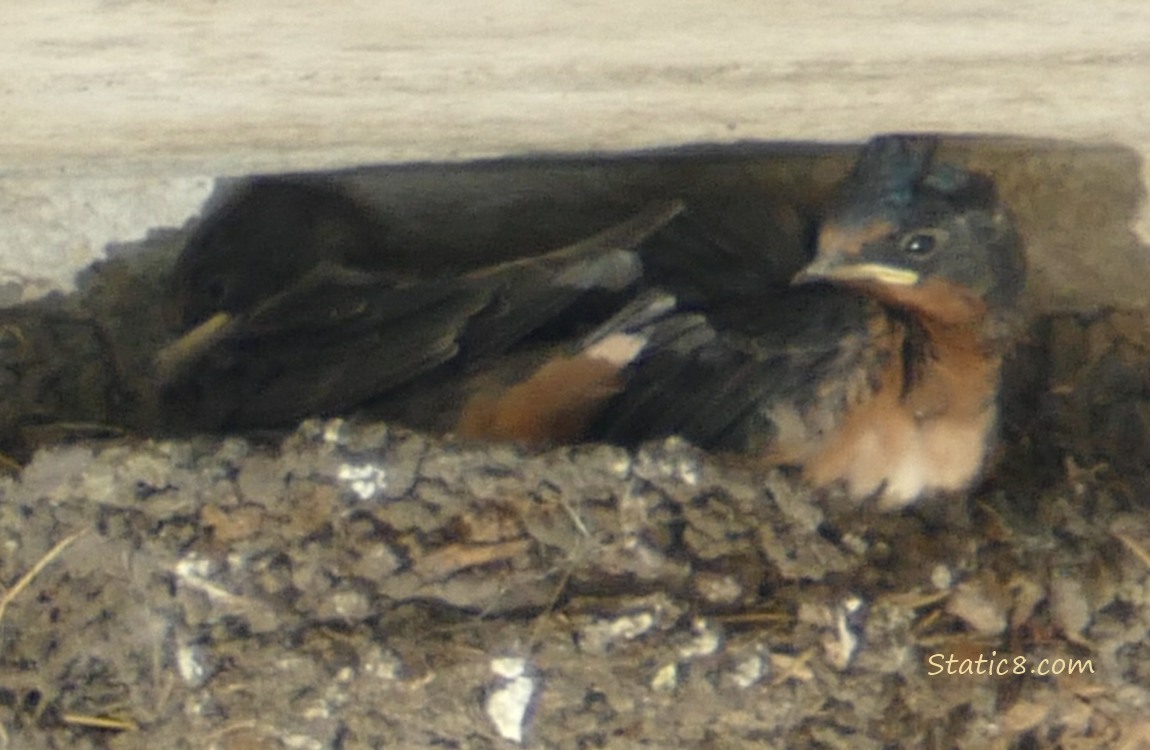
(263, 238)
(878, 370)
(328, 332)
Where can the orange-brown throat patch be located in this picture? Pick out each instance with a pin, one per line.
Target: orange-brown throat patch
(924, 429)
(958, 373)
(941, 305)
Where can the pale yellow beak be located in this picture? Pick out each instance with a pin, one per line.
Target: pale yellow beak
(174, 358)
(846, 272)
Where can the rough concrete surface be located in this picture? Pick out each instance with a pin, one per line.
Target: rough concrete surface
(55, 226)
(363, 586)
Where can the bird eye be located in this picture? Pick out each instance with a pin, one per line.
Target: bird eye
(918, 244)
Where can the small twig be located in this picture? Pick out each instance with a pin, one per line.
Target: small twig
(101, 722)
(793, 667)
(753, 618)
(1139, 551)
(576, 519)
(549, 608)
(239, 726)
(8, 596)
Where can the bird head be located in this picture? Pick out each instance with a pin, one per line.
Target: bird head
(932, 239)
(266, 236)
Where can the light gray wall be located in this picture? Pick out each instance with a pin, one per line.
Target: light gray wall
(117, 113)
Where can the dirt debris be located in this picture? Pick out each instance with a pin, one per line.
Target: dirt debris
(358, 584)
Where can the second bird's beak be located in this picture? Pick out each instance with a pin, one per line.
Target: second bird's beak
(175, 358)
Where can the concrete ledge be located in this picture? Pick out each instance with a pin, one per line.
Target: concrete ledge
(117, 112)
(228, 88)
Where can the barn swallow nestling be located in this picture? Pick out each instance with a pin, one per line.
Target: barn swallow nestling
(878, 370)
(327, 332)
(263, 238)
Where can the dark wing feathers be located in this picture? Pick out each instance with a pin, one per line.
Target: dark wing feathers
(336, 302)
(339, 336)
(529, 294)
(701, 265)
(279, 378)
(722, 388)
(336, 376)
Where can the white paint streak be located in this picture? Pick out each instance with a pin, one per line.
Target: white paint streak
(188, 664)
(365, 480)
(749, 671)
(666, 679)
(508, 702)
